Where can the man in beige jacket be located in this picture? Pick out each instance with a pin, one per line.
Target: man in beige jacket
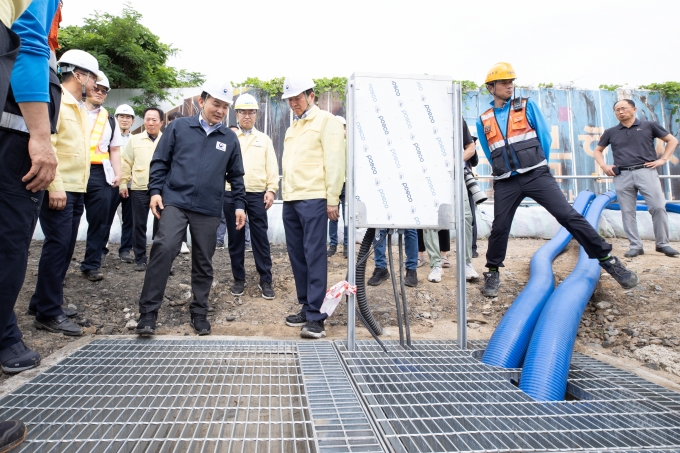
(135, 163)
(262, 181)
(64, 203)
(313, 174)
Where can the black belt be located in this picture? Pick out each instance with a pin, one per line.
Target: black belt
(634, 167)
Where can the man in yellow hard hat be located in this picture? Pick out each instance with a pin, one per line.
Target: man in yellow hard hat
(516, 140)
(262, 181)
(313, 173)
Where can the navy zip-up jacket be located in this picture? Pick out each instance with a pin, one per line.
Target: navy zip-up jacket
(189, 168)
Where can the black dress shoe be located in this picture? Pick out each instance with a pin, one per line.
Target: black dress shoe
(668, 251)
(632, 253)
(200, 324)
(69, 312)
(60, 324)
(93, 275)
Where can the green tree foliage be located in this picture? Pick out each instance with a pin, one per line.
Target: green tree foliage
(671, 91)
(467, 85)
(130, 55)
(613, 87)
(274, 87)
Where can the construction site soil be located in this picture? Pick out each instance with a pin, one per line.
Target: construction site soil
(638, 329)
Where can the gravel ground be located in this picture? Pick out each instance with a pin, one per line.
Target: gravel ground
(639, 324)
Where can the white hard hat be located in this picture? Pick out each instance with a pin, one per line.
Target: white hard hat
(124, 109)
(246, 101)
(341, 119)
(103, 80)
(292, 86)
(78, 59)
(220, 90)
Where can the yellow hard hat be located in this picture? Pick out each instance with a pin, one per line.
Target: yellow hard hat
(500, 71)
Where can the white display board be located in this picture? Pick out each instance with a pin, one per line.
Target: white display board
(403, 153)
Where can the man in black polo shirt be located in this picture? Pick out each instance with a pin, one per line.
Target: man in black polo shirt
(634, 169)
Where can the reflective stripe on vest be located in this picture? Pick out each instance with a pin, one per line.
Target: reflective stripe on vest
(96, 155)
(518, 131)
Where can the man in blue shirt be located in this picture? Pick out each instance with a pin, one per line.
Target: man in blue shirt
(516, 140)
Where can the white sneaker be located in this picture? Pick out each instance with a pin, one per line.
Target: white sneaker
(470, 272)
(435, 274)
(185, 248)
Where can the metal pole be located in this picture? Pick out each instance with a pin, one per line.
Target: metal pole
(351, 219)
(459, 214)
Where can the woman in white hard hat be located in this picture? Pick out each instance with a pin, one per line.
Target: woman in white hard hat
(193, 160)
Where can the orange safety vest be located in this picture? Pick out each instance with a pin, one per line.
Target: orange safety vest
(520, 146)
(97, 155)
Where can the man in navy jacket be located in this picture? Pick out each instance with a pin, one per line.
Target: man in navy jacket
(194, 158)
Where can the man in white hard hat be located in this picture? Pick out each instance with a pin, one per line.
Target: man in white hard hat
(136, 162)
(313, 174)
(105, 142)
(124, 116)
(61, 210)
(193, 160)
(261, 182)
(29, 105)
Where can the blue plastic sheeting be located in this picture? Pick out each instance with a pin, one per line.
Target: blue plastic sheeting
(546, 366)
(577, 119)
(509, 342)
(670, 207)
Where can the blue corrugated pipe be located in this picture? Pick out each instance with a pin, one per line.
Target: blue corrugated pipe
(546, 366)
(509, 342)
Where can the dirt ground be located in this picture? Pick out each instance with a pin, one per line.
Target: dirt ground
(622, 323)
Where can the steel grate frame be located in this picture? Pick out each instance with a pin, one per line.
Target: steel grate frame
(339, 418)
(436, 397)
(168, 396)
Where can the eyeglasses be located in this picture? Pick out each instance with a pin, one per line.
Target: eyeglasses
(621, 109)
(102, 90)
(248, 112)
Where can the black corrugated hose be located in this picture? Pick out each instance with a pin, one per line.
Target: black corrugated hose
(362, 302)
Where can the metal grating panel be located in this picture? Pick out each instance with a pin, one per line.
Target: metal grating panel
(338, 416)
(629, 381)
(168, 396)
(436, 397)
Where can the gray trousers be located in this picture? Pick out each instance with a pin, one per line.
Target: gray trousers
(645, 180)
(166, 245)
(431, 238)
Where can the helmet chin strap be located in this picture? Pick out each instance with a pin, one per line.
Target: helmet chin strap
(82, 85)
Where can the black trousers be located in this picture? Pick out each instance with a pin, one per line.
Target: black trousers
(540, 185)
(126, 221)
(61, 230)
(306, 225)
(19, 209)
(444, 241)
(97, 201)
(259, 225)
(139, 200)
(166, 245)
(473, 208)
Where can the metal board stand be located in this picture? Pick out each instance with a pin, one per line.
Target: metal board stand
(450, 146)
